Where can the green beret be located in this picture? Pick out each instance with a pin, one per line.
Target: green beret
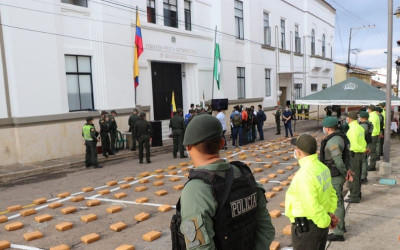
(379, 109)
(364, 114)
(306, 143)
(329, 122)
(202, 128)
(352, 115)
(371, 107)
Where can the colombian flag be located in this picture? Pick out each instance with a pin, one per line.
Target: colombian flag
(173, 106)
(138, 50)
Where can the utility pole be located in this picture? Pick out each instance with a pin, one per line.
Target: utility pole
(350, 37)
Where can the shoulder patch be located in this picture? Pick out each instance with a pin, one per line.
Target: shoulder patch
(102, 121)
(333, 147)
(195, 232)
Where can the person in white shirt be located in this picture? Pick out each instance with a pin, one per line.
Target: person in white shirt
(221, 118)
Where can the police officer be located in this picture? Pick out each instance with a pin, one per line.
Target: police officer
(299, 112)
(90, 135)
(374, 119)
(104, 129)
(132, 121)
(378, 110)
(143, 132)
(368, 127)
(277, 115)
(310, 200)
(236, 217)
(306, 109)
(328, 110)
(112, 130)
(293, 109)
(334, 153)
(358, 148)
(177, 124)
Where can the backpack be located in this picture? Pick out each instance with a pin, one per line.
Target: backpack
(236, 121)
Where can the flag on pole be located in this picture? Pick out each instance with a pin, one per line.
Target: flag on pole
(173, 105)
(217, 63)
(138, 50)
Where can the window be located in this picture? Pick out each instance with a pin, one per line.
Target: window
(283, 41)
(239, 20)
(267, 30)
(82, 3)
(241, 83)
(188, 16)
(151, 11)
(79, 82)
(297, 89)
(323, 45)
(324, 86)
(297, 39)
(267, 82)
(314, 87)
(170, 13)
(312, 42)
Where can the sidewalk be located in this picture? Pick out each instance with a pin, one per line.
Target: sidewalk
(374, 223)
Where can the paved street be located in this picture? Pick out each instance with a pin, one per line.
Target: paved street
(158, 221)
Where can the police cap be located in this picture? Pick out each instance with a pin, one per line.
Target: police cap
(142, 114)
(329, 122)
(352, 115)
(104, 112)
(89, 118)
(113, 111)
(178, 110)
(364, 114)
(371, 107)
(202, 128)
(379, 109)
(306, 143)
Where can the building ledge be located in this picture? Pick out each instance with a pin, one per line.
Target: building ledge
(284, 51)
(265, 46)
(321, 57)
(71, 116)
(298, 54)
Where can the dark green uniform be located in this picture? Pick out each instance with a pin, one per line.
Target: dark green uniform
(368, 127)
(132, 121)
(278, 121)
(105, 139)
(112, 128)
(333, 159)
(381, 139)
(177, 124)
(293, 109)
(90, 134)
(143, 133)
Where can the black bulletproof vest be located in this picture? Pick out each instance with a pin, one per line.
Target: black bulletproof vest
(234, 221)
(345, 153)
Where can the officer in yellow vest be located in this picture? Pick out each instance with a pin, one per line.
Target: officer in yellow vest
(310, 200)
(90, 135)
(374, 147)
(358, 148)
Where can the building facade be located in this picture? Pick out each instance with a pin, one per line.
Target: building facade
(62, 60)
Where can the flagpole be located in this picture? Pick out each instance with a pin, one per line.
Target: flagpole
(215, 42)
(135, 48)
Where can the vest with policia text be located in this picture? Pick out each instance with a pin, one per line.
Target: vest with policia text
(234, 221)
(345, 153)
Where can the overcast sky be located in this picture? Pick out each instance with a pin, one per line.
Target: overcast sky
(373, 41)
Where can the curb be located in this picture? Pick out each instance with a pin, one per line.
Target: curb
(6, 178)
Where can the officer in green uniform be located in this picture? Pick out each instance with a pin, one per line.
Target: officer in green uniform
(378, 110)
(131, 122)
(177, 124)
(306, 109)
(104, 129)
(143, 132)
(368, 127)
(358, 148)
(112, 130)
(299, 112)
(334, 154)
(237, 216)
(90, 135)
(374, 119)
(310, 200)
(277, 115)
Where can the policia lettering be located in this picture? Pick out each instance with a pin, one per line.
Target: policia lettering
(244, 205)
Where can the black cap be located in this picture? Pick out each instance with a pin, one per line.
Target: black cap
(352, 115)
(104, 112)
(113, 111)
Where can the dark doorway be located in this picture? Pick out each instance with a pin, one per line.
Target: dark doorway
(282, 98)
(166, 77)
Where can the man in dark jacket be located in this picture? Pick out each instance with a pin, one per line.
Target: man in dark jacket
(177, 124)
(143, 132)
(132, 121)
(261, 118)
(112, 130)
(104, 129)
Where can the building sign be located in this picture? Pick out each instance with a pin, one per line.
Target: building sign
(171, 52)
(350, 86)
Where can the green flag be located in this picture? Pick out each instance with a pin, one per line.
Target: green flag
(217, 62)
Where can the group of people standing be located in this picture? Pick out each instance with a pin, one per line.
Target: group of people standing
(300, 110)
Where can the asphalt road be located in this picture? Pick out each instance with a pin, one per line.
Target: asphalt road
(49, 186)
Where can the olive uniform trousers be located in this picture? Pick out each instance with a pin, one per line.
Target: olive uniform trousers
(144, 141)
(337, 184)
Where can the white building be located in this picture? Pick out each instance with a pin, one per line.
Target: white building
(62, 60)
